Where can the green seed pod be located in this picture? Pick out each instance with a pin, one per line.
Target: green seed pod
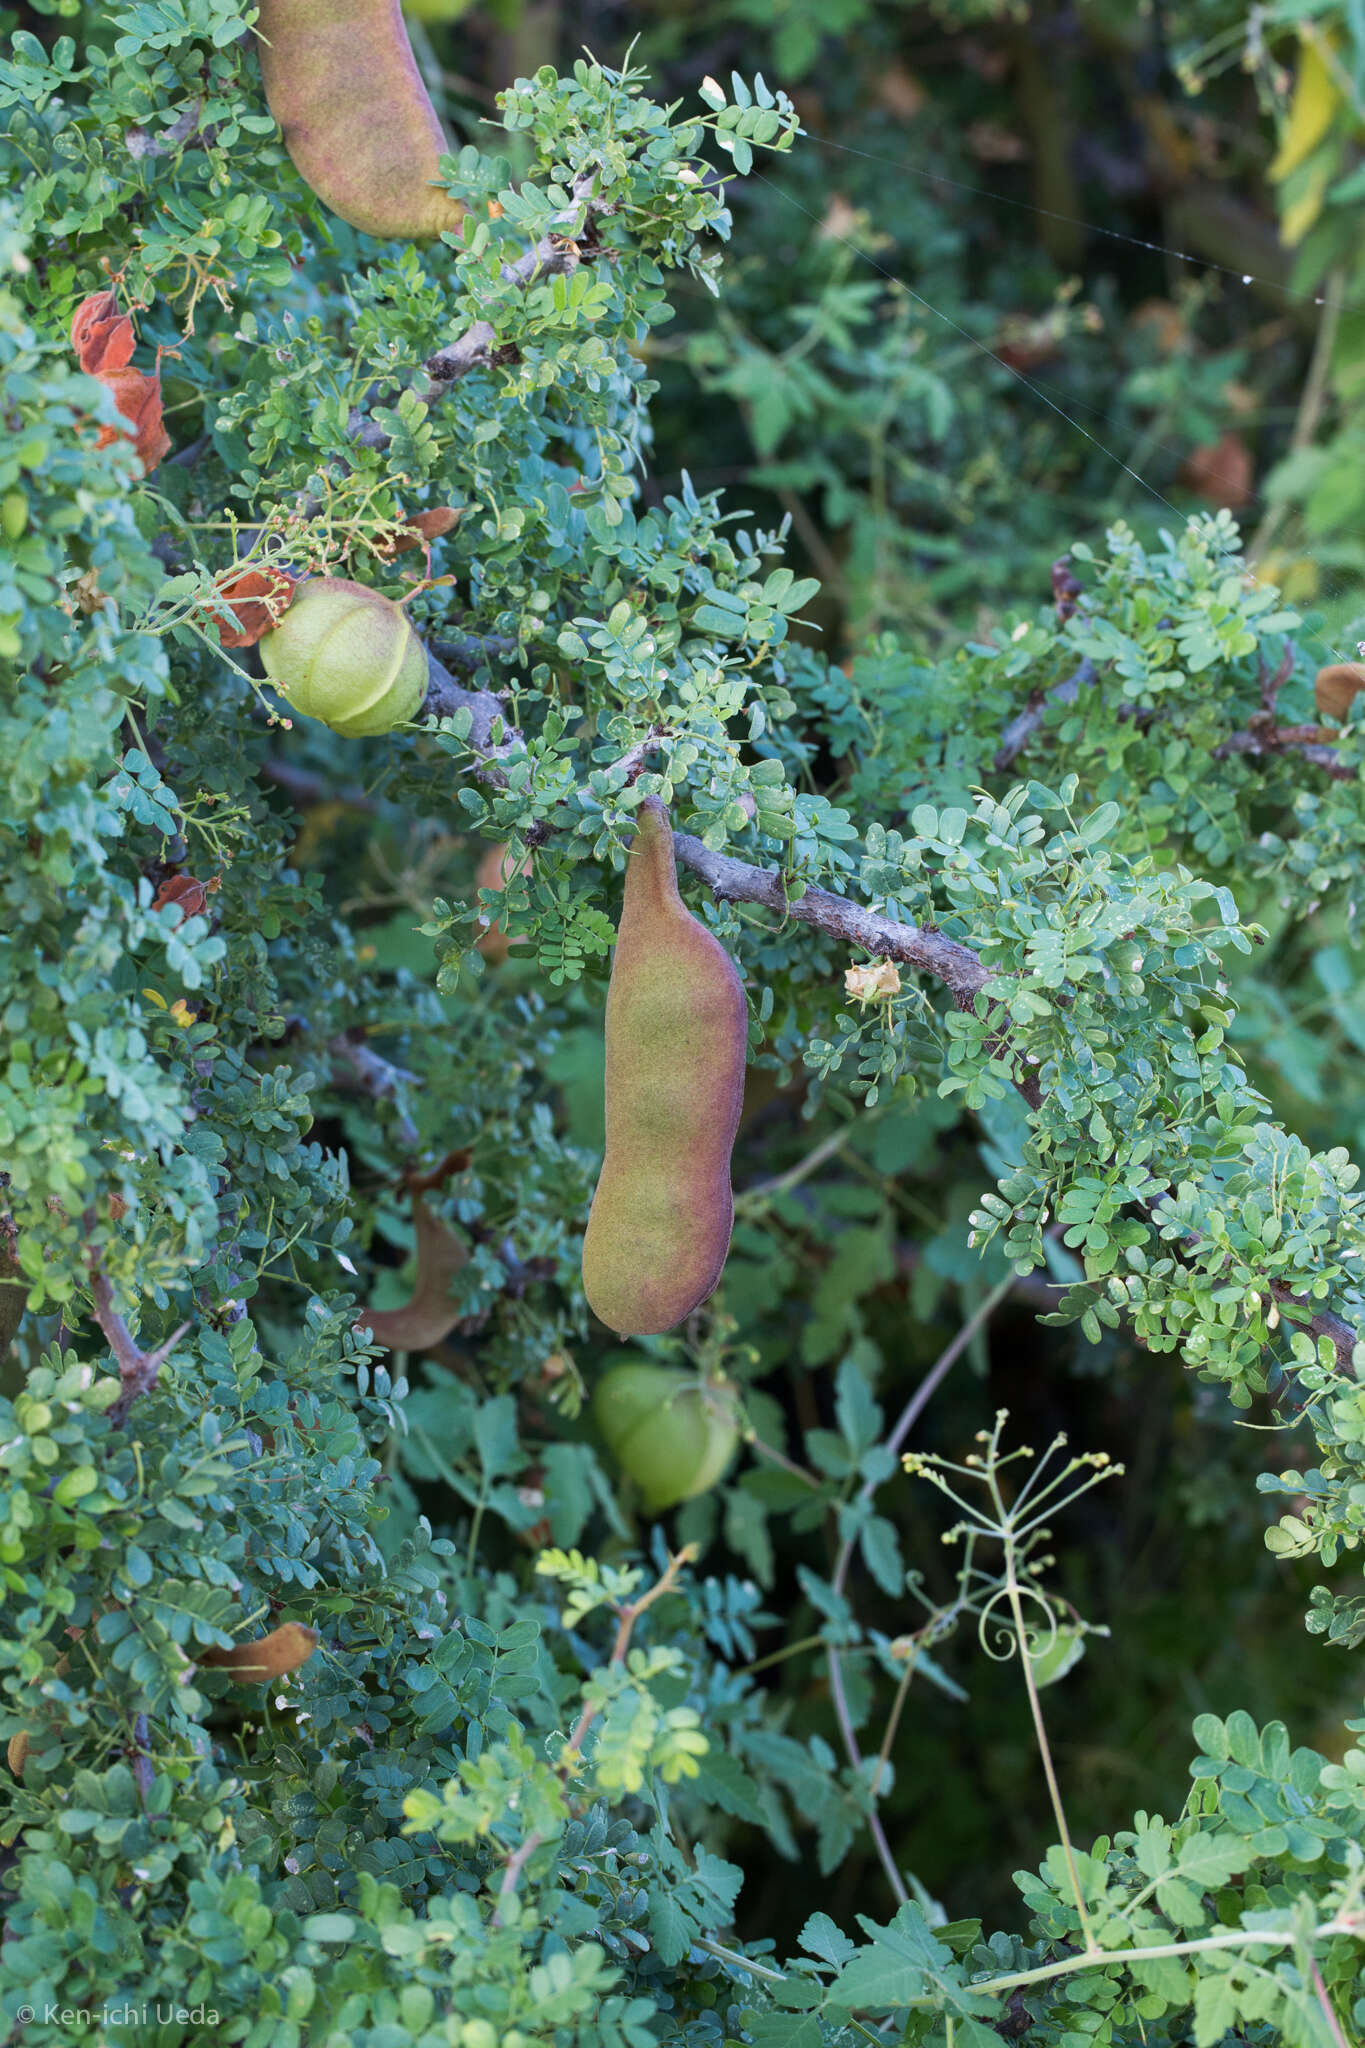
(348, 656)
(676, 1031)
(673, 1433)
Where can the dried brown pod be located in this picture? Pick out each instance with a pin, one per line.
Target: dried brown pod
(676, 1039)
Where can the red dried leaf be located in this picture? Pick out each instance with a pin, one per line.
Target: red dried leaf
(259, 598)
(101, 336)
(138, 397)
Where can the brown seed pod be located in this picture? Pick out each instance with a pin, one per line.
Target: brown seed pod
(676, 1034)
(1336, 686)
(284, 1649)
(342, 82)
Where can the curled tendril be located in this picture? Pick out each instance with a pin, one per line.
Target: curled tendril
(1000, 1641)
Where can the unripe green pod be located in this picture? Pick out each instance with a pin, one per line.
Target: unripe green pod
(676, 1031)
(348, 656)
(344, 86)
(673, 1433)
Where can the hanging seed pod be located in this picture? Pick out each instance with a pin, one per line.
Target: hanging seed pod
(346, 655)
(673, 1433)
(676, 1033)
(342, 82)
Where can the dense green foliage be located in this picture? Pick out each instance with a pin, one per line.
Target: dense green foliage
(558, 1771)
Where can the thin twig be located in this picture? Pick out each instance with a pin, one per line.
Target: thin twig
(1262, 739)
(1320, 1991)
(138, 1369)
(358, 1070)
(554, 255)
(1022, 727)
(780, 1183)
(735, 881)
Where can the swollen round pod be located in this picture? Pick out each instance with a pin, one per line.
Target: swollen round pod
(347, 656)
(673, 1433)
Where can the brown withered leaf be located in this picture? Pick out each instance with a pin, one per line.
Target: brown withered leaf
(431, 1315)
(1223, 474)
(258, 599)
(192, 896)
(418, 531)
(1336, 686)
(87, 593)
(284, 1649)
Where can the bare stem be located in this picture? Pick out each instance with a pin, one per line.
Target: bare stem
(138, 1369)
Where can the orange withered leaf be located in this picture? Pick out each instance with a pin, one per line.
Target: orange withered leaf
(258, 598)
(138, 397)
(101, 336)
